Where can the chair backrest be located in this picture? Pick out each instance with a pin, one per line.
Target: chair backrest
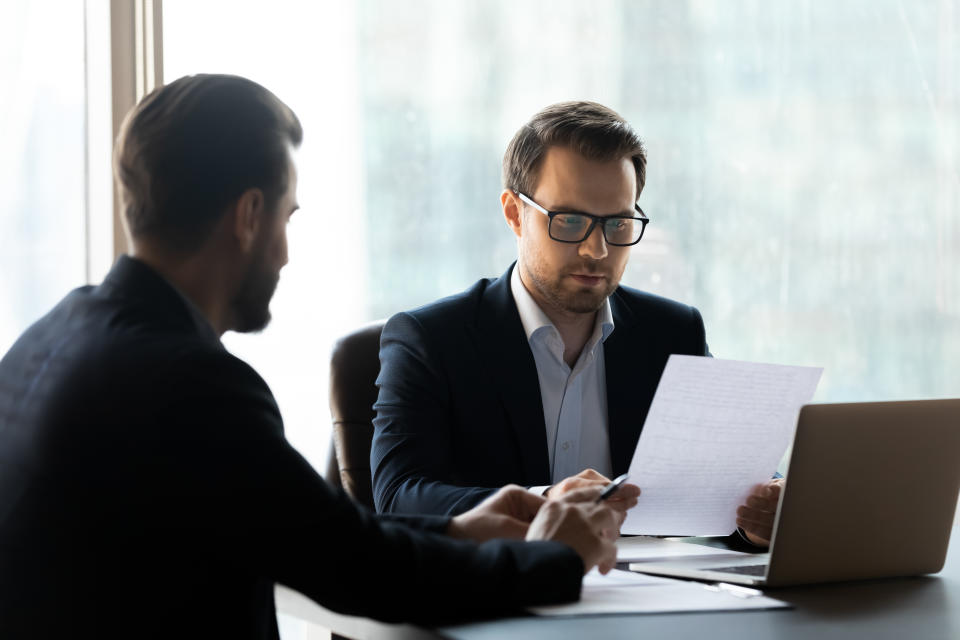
(354, 366)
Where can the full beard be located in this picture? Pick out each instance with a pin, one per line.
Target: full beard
(251, 305)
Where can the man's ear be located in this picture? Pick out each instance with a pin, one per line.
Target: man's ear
(248, 212)
(512, 211)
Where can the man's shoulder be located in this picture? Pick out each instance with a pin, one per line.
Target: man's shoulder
(650, 306)
(89, 347)
(455, 309)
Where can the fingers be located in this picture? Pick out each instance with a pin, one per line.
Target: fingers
(591, 474)
(621, 518)
(759, 536)
(505, 514)
(583, 526)
(510, 489)
(626, 492)
(520, 503)
(625, 498)
(769, 489)
(757, 514)
(586, 478)
(765, 497)
(626, 495)
(572, 484)
(605, 521)
(756, 522)
(758, 489)
(599, 524)
(763, 504)
(589, 493)
(604, 518)
(607, 559)
(547, 521)
(757, 539)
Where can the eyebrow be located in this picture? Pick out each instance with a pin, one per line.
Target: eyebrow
(567, 209)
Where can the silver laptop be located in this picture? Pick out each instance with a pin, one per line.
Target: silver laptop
(871, 492)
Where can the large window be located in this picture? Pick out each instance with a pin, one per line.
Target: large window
(42, 157)
(802, 182)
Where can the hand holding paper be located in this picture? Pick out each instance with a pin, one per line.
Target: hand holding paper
(714, 430)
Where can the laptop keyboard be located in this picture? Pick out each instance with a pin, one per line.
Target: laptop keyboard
(744, 570)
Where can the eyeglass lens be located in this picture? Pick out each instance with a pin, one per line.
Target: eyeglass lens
(572, 227)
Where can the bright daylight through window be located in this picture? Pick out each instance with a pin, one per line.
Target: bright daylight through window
(42, 211)
(802, 186)
(802, 183)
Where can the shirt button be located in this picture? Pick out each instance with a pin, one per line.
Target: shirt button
(566, 445)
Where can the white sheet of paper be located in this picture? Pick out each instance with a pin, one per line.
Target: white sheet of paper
(715, 428)
(646, 549)
(620, 578)
(628, 592)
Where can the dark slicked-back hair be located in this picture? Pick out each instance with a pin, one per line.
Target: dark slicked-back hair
(590, 129)
(192, 147)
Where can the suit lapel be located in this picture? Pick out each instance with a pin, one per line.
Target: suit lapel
(505, 352)
(623, 364)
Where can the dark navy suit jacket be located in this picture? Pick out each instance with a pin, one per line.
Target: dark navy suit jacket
(459, 410)
(147, 490)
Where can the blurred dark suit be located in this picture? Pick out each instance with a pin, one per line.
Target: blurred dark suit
(147, 490)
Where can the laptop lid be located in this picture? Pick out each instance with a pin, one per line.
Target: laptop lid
(871, 492)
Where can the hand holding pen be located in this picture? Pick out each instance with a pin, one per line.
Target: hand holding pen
(613, 487)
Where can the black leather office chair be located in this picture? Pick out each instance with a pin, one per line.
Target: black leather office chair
(354, 366)
(332, 472)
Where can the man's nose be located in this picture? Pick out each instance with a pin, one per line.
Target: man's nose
(594, 246)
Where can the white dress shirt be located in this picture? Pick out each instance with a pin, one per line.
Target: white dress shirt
(574, 400)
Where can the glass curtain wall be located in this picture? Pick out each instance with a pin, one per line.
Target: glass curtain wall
(802, 184)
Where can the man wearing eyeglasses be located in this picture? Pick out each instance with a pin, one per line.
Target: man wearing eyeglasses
(542, 377)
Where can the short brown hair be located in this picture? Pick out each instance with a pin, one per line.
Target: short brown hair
(590, 129)
(190, 148)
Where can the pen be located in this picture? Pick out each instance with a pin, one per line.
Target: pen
(611, 488)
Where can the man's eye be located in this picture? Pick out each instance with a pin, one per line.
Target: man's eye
(570, 220)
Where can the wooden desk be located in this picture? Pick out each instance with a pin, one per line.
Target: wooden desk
(902, 608)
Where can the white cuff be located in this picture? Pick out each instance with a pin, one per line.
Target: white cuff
(539, 490)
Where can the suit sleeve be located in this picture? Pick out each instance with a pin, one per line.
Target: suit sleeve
(245, 494)
(412, 453)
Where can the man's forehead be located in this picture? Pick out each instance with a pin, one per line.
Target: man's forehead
(568, 179)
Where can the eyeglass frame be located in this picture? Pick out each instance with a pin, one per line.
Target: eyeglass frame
(593, 221)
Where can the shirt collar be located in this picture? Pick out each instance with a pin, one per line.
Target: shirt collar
(533, 318)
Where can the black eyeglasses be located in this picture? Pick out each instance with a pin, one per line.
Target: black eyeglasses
(574, 226)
